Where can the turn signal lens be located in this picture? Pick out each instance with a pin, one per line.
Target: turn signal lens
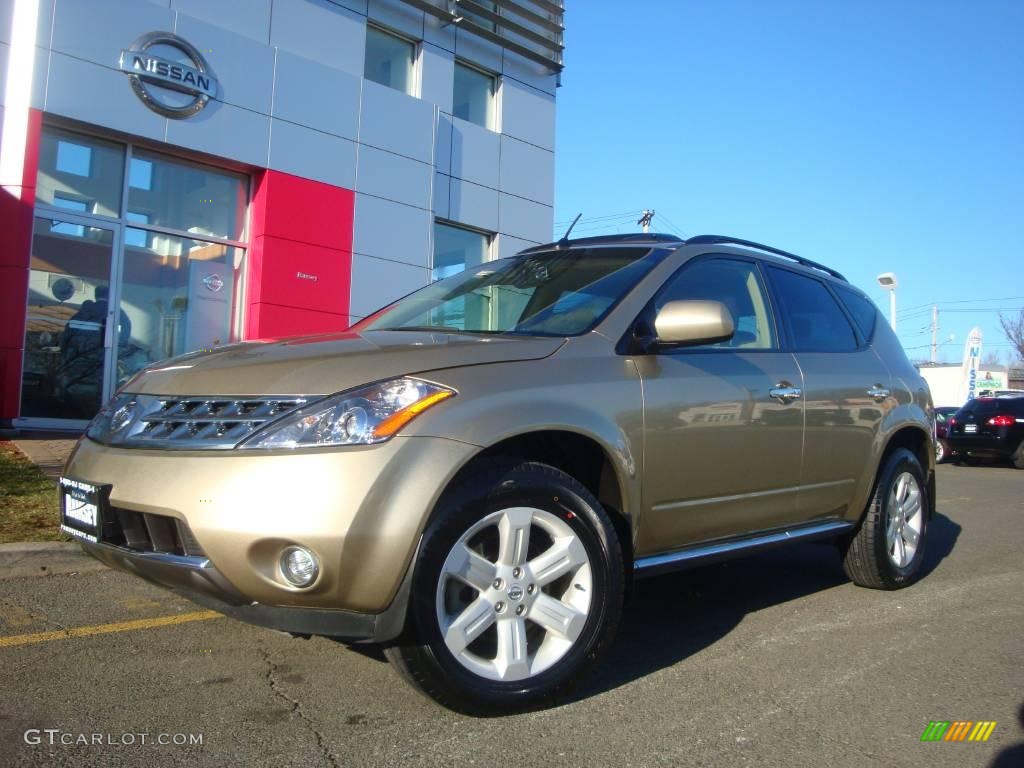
(399, 419)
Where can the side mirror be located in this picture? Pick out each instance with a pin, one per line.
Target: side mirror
(693, 322)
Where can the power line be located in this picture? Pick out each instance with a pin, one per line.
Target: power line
(956, 301)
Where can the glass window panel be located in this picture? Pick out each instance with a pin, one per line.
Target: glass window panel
(389, 60)
(473, 96)
(480, 21)
(140, 174)
(77, 167)
(454, 250)
(816, 322)
(188, 197)
(68, 289)
(177, 297)
(737, 285)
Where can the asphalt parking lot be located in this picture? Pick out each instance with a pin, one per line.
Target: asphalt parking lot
(772, 661)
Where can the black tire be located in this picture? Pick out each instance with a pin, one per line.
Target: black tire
(1018, 456)
(866, 553)
(422, 655)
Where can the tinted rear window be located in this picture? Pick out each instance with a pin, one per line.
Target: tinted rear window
(816, 323)
(864, 313)
(990, 406)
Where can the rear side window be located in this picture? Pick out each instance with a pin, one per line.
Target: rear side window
(815, 321)
(992, 406)
(863, 311)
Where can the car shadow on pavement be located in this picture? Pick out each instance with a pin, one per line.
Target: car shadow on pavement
(1013, 755)
(670, 618)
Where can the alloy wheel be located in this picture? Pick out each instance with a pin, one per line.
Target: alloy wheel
(903, 529)
(514, 594)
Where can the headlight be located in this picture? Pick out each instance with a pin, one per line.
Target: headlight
(364, 416)
(112, 419)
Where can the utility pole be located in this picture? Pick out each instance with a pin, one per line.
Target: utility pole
(935, 330)
(645, 220)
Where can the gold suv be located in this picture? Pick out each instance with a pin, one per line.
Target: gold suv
(473, 475)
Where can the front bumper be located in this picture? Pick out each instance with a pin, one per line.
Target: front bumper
(360, 510)
(196, 579)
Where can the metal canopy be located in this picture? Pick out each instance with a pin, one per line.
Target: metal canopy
(531, 28)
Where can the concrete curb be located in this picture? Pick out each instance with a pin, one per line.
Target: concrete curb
(26, 559)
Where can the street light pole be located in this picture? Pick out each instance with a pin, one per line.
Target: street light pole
(888, 281)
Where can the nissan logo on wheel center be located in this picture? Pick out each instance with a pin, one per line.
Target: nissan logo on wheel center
(151, 76)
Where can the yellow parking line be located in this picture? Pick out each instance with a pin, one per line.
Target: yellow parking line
(103, 629)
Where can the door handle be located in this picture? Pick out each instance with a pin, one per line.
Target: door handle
(878, 393)
(784, 393)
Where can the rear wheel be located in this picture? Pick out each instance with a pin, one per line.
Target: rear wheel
(517, 592)
(887, 550)
(941, 450)
(1018, 456)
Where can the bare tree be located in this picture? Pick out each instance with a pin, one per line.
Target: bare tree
(991, 360)
(1013, 327)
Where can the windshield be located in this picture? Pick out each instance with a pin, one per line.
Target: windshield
(554, 293)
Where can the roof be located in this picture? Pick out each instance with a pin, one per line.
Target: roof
(652, 238)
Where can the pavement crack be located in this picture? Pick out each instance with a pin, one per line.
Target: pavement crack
(296, 706)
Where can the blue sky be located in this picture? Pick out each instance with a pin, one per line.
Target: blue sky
(872, 136)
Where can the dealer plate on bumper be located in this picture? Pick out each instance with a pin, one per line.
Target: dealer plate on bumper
(82, 507)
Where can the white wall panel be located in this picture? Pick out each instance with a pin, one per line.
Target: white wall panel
(474, 153)
(396, 122)
(393, 177)
(473, 205)
(524, 219)
(322, 31)
(527, 114)
(224, 131)
(244, 68)
(98, 95)
(312, 154)
(97, 30)
(336, 110)
(392, 231)
(244, 17)
(376, 283)
(527, 171)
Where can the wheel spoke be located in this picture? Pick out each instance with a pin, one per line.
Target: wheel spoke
(557, 617)
(890, 531)
(910, 536)
(566, 554)
(514, 534)
(511, 659)
(471, 568)
(913, 505)
(901, 489)
(901, 552)
(469, 625)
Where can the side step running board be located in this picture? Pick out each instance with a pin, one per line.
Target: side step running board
(652, 565)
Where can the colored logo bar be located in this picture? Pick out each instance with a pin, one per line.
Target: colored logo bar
(958, 730)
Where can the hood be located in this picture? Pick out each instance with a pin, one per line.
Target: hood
(322, 365)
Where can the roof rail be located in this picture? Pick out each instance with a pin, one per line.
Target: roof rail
(634, 238)
(726, 240)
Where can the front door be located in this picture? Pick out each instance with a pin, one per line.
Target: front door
(72, 322)
(723, 423)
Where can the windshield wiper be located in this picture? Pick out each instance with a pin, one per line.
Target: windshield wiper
(427, 328)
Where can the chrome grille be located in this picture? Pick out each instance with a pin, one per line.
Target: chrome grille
(200, 423)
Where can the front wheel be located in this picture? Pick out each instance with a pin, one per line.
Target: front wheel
(887, 549)
(516, 594)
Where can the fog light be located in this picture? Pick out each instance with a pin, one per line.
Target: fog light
(299, 566)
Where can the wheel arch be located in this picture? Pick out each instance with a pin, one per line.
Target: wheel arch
(916, 439)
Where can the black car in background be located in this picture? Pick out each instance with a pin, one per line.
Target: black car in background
(943, 413)
(989, 427)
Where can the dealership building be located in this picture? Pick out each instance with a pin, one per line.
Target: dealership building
(181, 174)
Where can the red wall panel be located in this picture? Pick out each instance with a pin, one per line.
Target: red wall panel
(300, 258)
(15, 249)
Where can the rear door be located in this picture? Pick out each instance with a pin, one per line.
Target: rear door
(721, 454)
(847, 390)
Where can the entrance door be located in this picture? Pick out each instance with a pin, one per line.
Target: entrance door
(72, 324)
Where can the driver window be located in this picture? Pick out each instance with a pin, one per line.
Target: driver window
(737, 285)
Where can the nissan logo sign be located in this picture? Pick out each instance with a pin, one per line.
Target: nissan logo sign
(149, 73)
